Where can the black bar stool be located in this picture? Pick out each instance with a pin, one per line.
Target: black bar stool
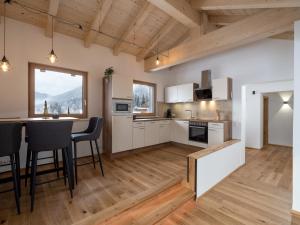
(92, 133)
(46, 136)
(10, 142)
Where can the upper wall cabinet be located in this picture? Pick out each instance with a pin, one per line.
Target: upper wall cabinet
(171, 94)
(222, 89)
(122, 86)
(180, 93)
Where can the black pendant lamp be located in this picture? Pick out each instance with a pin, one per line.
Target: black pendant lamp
(4, 64)
(52, 56)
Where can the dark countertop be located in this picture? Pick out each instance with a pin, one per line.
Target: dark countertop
(183, 119)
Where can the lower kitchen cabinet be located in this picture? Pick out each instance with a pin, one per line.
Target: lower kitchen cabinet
(151, 133)
(121, 133)
(139, 136)
(164, 132)
(180, 131)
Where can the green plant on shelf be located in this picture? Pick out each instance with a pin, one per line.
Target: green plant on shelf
(109, 72)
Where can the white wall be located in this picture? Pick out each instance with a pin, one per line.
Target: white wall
(296, 149)
(280, 118)
(267, 60)
(254, 109)
(213, 168)
(27, 43)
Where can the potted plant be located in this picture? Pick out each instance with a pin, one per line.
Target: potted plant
(108, 72)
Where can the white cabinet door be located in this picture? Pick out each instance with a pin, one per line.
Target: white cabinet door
(186, 93)
(122, 86)
(164, 133)
(138, 137)
(171, 94)
(215, 134)
(121, 133)
(221, 89)
(151, 133)
(180, 131)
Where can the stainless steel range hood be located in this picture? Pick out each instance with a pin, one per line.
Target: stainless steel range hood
(205, 90)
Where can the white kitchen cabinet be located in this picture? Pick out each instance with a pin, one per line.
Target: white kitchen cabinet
(171, 94)
(215, 134)
(180, 93)
(164, 132)
(185, 93)
(121, 133)
(122, 86)
(138, 135)
(221, 89)
(180, 131)
(151, 133)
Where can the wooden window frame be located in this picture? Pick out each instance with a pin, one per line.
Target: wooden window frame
(31, 88)
(154, 97)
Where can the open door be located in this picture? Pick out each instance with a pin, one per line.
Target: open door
(266, 120)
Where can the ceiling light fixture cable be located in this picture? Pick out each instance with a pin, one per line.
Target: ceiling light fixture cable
(4, 64)
(52, 56)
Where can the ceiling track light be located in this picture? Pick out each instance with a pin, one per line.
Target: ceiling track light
(4, 64)
(52, 56)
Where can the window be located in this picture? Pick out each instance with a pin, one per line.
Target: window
(144, 98)
(64, 90)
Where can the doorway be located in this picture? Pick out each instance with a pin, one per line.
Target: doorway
(266, 120)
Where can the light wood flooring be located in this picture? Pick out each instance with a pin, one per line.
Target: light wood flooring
(258, 193)
(127, 180)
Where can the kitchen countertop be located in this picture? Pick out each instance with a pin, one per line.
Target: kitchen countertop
(183, 119)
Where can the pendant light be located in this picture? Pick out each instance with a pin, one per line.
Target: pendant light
(52, 56)
(157, 57)
(5, 66)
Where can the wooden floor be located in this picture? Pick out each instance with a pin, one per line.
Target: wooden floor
(258, 193)
(125, 179)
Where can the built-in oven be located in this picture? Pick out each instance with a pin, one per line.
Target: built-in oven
(121, 107)
(198, 131)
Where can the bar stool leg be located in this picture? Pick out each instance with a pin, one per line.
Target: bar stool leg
(56, 163)
(33, 177)
(92, 151)
(16, 183)
(28, 156)
(66, 157)
(75, 161)
(17, 156)
(99, 156)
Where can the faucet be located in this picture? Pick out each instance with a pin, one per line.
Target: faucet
(190, 112)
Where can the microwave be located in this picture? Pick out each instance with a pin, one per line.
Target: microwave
(121, 107)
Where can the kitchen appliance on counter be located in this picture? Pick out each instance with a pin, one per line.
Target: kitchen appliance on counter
(205, 91)
(121, 107)
(198, 131)
(169, 113)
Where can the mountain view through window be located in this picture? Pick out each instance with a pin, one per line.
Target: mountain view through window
(60, 90)
(143, 95)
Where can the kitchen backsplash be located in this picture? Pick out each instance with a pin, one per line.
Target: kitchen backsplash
(206, 110)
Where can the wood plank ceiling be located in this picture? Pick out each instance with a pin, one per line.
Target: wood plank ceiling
(138, 27)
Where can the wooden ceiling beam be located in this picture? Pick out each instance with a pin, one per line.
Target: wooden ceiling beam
(156, 39)
(180, 10)
(243, 4)
(135, 23)
(224, 19)
(53, 9)
(97, 22)
(251, 29)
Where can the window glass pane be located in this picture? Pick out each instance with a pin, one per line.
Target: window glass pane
(143, 101)
(60, 90)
